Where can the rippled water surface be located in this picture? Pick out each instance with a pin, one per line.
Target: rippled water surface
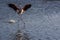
(42, 20)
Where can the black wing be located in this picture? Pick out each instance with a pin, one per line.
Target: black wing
(13, 6)
(26, 7)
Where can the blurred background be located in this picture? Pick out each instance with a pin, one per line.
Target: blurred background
(42, 20)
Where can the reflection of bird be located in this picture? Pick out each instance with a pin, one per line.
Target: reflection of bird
(20, 11)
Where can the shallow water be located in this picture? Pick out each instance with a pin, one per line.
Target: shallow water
(42, 20)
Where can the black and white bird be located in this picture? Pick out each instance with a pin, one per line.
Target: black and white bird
(18, 10)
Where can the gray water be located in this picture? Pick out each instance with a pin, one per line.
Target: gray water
(42, 20)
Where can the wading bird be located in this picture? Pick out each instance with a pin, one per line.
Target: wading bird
(18, 10)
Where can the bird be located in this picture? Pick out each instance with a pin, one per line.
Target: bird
(19, 10)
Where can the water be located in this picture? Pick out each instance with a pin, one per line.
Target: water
(42, 20)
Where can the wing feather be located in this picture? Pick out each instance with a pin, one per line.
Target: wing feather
(13, 6)
(26, 7)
